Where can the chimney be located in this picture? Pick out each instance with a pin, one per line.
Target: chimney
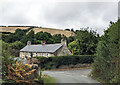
(43, 42)
(28, 42)
(63, 42)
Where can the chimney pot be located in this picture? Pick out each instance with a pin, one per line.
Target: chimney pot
(28, 42)
(63, 42)
(43, 42)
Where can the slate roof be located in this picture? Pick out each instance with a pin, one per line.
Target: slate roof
(50, 48)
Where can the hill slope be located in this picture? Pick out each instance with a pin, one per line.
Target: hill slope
(36, 30)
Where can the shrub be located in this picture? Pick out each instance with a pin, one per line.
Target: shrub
(20, 72)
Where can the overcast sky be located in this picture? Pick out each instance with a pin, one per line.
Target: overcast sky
(59, 14)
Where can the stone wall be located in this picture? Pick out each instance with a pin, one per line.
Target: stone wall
(63, 51)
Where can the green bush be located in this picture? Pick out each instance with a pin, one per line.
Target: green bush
(56, 61)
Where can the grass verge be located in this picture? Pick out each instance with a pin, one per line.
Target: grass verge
(47, 79)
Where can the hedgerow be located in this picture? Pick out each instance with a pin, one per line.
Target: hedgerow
(56, 61)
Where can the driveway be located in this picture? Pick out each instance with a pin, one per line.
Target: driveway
(72, 76)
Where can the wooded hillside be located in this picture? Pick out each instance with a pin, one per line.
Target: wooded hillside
(36, 30)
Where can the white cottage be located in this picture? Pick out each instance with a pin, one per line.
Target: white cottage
(46, 50)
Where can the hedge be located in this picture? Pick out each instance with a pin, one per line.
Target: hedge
(56, 61)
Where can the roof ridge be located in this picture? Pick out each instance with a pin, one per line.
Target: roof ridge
(47, 44)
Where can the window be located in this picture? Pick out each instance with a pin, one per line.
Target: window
(22, 54)
(29, 54)
(35, 54)
(41, 54)
(46, 54)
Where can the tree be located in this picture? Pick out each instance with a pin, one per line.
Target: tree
(67, 29)
(72, 30)
(106, 66)
(43, 36)
(17, 45)
(17, 36)
(70, 39)
(86, 42)
(3, 36)
(5, 48)
(57, 38)
(74, 47)
(29, 37)
(6, 59)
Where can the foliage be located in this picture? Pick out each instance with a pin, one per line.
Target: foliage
(57, 38)
(39, 78)
(55, 62)
(72, 30)
(22, 36)
(28, 37)
(67, 29)
(5, 48)
(70, 39)
(116, 79)
(44, 79)
(74, 46)
(4, 36)
(18, 72)
(6, 59)
(6, 32)
(85, 42)
(27, 30)
(106, 66)
(43, 36)
(17, 45)
(11, 49)
(17, 36)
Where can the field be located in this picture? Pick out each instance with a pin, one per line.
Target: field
(37, 29)
(11, 29)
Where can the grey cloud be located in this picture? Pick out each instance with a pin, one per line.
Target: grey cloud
(64, 12)
(88, 14)
(14, 14)
(95, 15)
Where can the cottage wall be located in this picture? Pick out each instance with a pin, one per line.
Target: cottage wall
(45, 54)
(20, 54)
(63, 51)
(23, 54)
